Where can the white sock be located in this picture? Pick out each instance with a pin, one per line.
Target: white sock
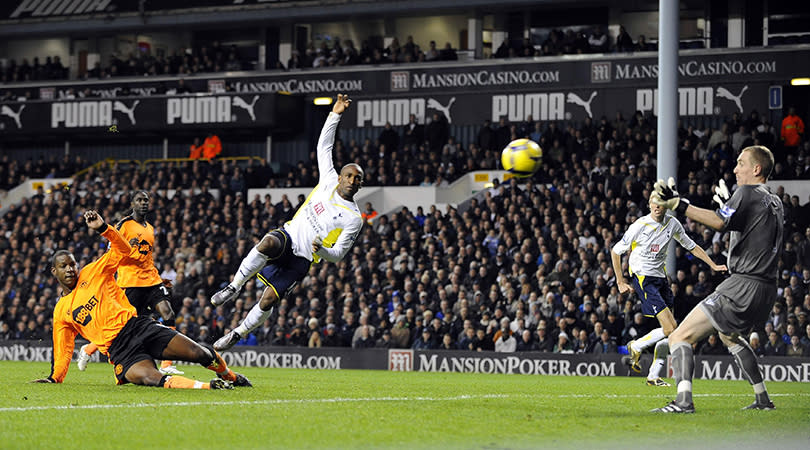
(255, 317)
(251, 265)
(649, 339)
(655, 369)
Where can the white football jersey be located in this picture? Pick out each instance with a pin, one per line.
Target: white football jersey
(325, 215)
(648, 242)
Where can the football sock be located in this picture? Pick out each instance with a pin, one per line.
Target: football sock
(178, 382)
(659, 357)
(250, 266)
(166, 363)
(683, 365)
(90, 348)
(747, 361)
(219, 366)
(648, 339)
(255, 317)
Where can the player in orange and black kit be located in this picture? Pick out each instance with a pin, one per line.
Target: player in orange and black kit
(139, 277)
(94, 306)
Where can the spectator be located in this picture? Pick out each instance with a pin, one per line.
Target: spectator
(774, 346)
(563, 345)
(624, 43)
(425, 341)
(448, 53)
(792, 132)
(369, 213)
(756, 345)
(196, 150)
(212, 147)
(605, 344)
(713, 346)
(796, 348)
(366, 340)
(598, 41)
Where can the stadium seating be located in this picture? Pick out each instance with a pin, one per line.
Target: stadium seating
(486, 260)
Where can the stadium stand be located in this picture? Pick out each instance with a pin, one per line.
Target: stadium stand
(534, 254)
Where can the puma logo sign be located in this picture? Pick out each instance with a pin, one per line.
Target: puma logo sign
(130, 112)
(433, 104)
(239, 103)
(575, 99)
(7, 111)
(737, 99)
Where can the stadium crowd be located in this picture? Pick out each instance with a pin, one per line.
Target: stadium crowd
(183, 61)
(526, 267)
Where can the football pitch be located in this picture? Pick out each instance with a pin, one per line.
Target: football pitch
(297, 408)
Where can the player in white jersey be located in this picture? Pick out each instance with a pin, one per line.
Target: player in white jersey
(324, 227)
(648, 239)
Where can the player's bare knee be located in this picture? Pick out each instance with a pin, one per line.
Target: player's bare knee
(729, 340)
(267, 302)
(268, 246)
(151, 378)
(201, 355)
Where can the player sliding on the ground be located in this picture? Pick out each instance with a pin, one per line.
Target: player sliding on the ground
(755, 218)
(95, 307)
(325, 227)
(648, 240)
(138, 276)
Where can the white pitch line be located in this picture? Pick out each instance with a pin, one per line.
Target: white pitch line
(353, 400)
(256, 402)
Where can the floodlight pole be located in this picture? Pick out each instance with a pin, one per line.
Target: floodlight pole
(667, 143)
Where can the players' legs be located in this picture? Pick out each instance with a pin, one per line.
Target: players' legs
(182, 348)
(747, 361)
(260, 311)
(695, 327)
(668, 324)
(85, 352)
(270, 247)
(145, 373)
(659, 358)
(164, 308)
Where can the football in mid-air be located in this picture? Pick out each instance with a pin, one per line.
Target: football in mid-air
(522, 157)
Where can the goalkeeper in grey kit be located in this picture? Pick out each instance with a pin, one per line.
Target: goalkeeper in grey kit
(755, 217)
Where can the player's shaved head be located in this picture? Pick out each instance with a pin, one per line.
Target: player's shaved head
(59, 253)
(761, 156)
(350, 180)
(355, 165)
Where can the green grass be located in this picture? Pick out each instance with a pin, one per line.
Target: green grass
(290, 408)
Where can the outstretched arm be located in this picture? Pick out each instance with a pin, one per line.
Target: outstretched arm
(705, 216)
(701, 255)
(326, 141)
(666, 196)
(118, 246)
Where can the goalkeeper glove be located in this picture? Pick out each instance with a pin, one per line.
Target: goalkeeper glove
(721, 194)
(665, 195)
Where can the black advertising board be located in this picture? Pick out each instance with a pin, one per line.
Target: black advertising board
(712, 83)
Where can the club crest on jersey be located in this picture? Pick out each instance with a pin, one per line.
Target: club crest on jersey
(654, 248)
(319, 208)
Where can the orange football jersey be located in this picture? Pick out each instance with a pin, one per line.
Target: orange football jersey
(96, 308)
(139, 269)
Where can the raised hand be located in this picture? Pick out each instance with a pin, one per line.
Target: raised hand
(666, 195)
(721, 193)
(93, 219)
(341, 103)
